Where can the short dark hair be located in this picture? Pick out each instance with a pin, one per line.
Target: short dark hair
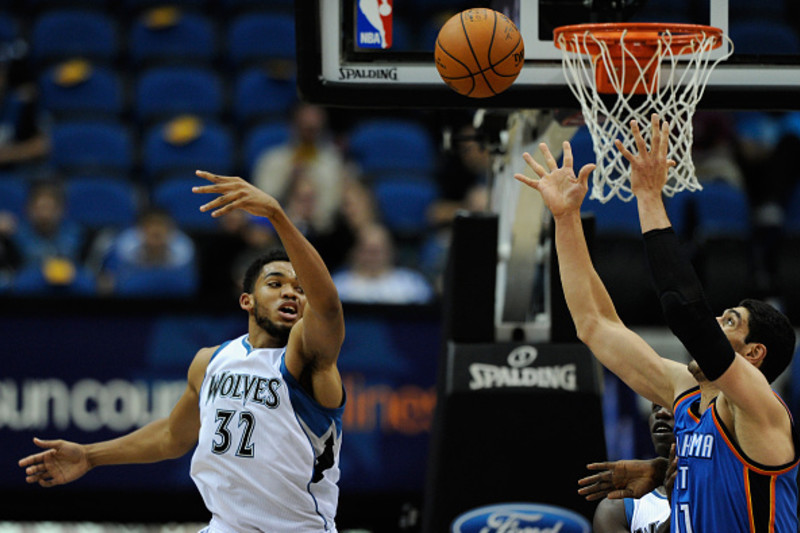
(253, 271)
(771, 328)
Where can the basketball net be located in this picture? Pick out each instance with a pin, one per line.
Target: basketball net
(663, 70)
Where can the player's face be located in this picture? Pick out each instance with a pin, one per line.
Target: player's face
(661, 424)
(734, 323)
(278, 299)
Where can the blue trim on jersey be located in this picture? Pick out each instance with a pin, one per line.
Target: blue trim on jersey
(629, 505)
(317, 417)
(246, 343)
(311, 476)
(221, 347)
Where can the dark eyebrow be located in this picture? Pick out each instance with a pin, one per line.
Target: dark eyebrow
(274, 273)
(734, 312)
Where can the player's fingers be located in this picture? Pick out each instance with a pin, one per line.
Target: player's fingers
(641, 146)
(624, 151)
(598, 466)
(663, 140)
(530, 182)
(539, 169)
(567, 154)
(548, 156)
(620, 494)
(586, 170)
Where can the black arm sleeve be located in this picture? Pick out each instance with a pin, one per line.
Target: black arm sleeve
(685, 307)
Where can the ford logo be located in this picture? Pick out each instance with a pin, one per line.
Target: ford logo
(520, 518)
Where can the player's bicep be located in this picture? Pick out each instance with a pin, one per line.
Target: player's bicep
(610, 517)
(184, 420)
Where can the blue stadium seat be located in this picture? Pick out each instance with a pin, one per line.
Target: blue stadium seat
(210, 148)
(98, 202)
(79, 89)
(175, 196)
(166, 91)
(92, 147)
(387, 145)
(13, 192)
(404, 204)
(157, 283)
(65, 33)
(764, 37)
(259, 36)
(614, 217)
(261, 138)
(178, 36)
(722, 211)
(9, 28)
(258, 96)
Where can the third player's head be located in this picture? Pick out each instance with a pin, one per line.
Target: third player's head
(661, 423)
(272, 294)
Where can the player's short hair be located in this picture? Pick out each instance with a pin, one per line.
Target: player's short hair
(771, 328)
(253, 271)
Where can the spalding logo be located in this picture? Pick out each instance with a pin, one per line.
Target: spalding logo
(520, 518)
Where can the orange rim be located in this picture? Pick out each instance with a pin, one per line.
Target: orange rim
(641, 38)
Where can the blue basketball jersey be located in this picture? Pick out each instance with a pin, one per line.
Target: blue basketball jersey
(717, 487)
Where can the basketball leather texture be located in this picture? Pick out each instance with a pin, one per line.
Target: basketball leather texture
(479, 52)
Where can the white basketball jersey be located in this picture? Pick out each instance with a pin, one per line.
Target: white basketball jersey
(648, 512)
(267, 456)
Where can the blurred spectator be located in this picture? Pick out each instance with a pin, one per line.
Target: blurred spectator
(45, 231)
(49, 245)
(372, 276)
(153, 258)
(713, 148)
(468, 164)
(433, 252)
(24, 142)
(9, 255)
(311, 150)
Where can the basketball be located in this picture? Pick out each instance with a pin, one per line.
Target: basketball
(479, 52)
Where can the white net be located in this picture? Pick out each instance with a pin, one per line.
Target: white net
(671, 82)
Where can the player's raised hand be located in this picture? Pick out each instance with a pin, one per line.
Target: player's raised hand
(61, 462)
(234, 193)
(561, 190)
(649, 167)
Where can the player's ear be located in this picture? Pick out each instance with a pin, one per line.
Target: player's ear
(755, 353)
(246, 301)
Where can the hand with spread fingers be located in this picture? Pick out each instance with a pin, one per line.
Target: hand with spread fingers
(235, 193)
(561, 190)
(649, 168)
(60, 463)
(632, 478)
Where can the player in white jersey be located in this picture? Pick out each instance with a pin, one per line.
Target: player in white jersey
(262, 411)
(651, 512)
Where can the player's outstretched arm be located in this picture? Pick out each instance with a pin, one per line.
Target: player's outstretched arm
(317, 338)
(167, 438)
(618, 348)
(630, 478)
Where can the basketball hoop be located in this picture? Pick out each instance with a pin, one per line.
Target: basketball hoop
(651, 68)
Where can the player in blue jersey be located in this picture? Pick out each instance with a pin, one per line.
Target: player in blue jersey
(263, 411)
(735, 440)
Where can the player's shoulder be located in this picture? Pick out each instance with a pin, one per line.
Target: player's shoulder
(610, 516)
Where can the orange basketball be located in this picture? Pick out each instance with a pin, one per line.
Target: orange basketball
(479, 52)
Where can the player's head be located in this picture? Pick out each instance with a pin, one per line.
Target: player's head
(769, 327)
(272, 294)
(661, 423)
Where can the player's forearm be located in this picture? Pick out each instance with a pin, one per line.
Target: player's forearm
(652, 212)
(314, 276)
(149, 444)
(586, 296)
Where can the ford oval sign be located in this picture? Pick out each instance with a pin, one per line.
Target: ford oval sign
(520, 518)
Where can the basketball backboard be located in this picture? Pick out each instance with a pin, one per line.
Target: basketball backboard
(344, 59)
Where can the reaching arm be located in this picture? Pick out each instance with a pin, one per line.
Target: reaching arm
(166, 438)
(610, 517)
(758, 416)
(316, 339)
(618, 348)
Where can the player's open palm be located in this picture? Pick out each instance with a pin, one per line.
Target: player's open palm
(60, 463)
(235, 193)
(561, 190)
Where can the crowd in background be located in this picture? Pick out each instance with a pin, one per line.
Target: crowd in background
(313, 163)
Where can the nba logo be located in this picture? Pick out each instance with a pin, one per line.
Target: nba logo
(374, 24)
